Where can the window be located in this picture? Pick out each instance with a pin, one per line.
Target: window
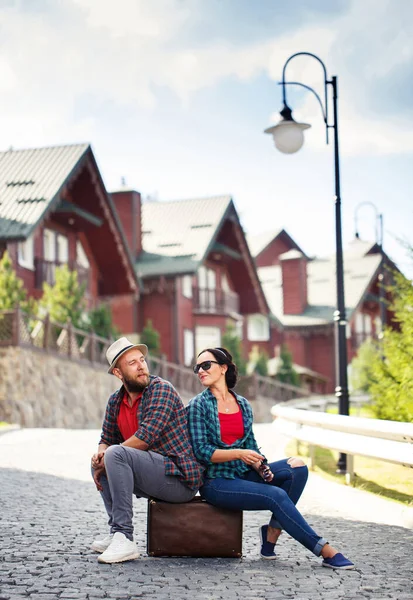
(207, 337)
(62, 244)
(81, 256)
(207, 285)
(49, 245)
(258, 328)
(239, 328)
(188, 347)
(224, 283)
(25, 253)
(187, 286)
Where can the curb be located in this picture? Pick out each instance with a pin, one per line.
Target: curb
(8, 428)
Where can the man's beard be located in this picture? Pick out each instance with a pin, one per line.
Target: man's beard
(135, 386)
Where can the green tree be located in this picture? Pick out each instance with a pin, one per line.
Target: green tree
(232, 342)
(362, 366)
(64, 301)
(12, 292)
(286, 372)
(100, 322)
(151, 338)
(261, 365)
(391, 388)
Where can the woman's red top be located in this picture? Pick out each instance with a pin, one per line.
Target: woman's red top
(232, 426)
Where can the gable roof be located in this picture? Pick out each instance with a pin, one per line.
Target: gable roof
(359, 272)
(177, 235)
(30, 182)
(259, 242)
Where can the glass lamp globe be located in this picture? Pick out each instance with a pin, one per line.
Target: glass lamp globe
(288, 134)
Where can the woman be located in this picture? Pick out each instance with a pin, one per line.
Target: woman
(237, 476)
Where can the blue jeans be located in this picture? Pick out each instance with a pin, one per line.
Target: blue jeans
(251, 492)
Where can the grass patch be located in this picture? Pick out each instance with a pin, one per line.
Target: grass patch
(3, 423)
(391, 481)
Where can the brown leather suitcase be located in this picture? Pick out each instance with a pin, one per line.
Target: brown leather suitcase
(193, 528)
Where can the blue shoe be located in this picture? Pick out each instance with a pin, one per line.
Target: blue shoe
(338, 561)
(267, 548)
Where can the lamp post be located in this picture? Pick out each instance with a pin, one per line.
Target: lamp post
(379, 241)
(288, 138)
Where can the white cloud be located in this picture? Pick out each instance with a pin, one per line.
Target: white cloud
(92, 50)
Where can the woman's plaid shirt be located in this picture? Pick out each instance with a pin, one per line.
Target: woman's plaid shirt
(162, 425)
(205, 433)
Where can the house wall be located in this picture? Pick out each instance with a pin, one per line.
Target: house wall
(184, 311)
(124, 313)
(28, 276)
(62, 393)
(159, 308)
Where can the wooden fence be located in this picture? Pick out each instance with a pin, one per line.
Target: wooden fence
(20, 329)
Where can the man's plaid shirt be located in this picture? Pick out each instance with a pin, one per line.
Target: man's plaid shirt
(205, 433)
(162, 425)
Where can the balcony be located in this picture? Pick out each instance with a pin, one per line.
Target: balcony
(45, 272)
(215, 301)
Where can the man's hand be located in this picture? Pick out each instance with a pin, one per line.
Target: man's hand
(97, 474)
(98, 459)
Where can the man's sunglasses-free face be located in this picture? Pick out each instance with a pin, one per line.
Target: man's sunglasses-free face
(205, 366)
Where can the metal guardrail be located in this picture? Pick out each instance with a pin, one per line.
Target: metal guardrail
(389, 441)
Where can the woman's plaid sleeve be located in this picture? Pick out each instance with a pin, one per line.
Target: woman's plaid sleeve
(203, 450)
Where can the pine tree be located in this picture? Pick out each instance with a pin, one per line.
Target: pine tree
(286, 372)
(392, 369)
(100, 322)
(151, 338)
(64, 301)
(261, 365)
(12, 292)
(362, 365)
(232, 343)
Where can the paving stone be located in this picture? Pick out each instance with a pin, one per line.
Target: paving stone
(48, 521)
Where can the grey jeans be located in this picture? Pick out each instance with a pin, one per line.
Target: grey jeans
(130, 471)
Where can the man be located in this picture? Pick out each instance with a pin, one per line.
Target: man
(144, 448)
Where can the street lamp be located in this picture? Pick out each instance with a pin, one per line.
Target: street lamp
(288, 138)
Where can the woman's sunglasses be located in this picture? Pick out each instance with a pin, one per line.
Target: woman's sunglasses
(205, 366)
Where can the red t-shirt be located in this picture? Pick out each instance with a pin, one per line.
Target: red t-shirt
(232, 427)
(128, 417)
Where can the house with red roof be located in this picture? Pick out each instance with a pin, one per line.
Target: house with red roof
(54, 210)
(301, 293)
(197, 274)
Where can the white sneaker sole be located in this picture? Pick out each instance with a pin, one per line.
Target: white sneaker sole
(118, 559)
(97, 548)
(347, 568)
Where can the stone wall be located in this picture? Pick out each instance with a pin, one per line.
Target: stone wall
(42, 390)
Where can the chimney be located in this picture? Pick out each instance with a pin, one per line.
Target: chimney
(128, 207)
(294, 282)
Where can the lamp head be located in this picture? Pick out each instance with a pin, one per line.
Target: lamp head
(287, 134)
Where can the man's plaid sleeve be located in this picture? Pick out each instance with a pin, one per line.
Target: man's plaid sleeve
(163, 402)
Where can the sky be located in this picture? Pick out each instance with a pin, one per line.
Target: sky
(174, 95)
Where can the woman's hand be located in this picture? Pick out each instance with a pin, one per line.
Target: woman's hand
(249, 457)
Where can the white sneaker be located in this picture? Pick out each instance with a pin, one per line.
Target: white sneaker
(119, 550)
(101, 545)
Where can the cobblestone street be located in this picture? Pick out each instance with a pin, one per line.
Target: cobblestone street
(50, 513)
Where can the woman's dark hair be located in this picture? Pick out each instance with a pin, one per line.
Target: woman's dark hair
(223, 357)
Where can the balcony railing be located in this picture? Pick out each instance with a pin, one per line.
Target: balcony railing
(45, 272)
(215, 301)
